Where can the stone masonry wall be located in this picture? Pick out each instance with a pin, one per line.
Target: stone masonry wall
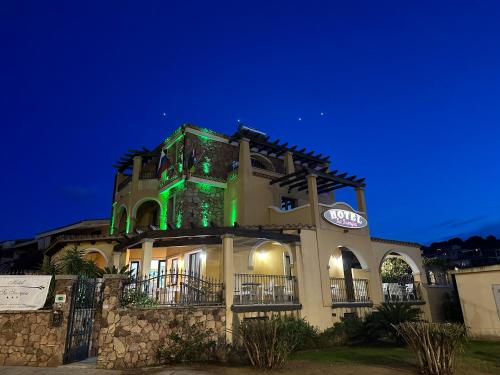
(28, 338)
(129, 337)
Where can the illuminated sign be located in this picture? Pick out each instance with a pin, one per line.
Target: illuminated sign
(345, 218)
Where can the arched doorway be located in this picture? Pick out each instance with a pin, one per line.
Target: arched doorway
(97, 256)
(349, 278)
(400, 278)
(147, 213)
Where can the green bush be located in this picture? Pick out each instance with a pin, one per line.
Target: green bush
(135, 298)
(299, 333)
(380, 324)
(189, 343)
(349, 331)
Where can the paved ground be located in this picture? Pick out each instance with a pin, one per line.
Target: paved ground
(91, 370)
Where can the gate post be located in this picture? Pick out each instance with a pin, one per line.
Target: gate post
(112, 292)
(63, 285)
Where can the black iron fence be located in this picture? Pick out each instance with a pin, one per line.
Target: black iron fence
(346, 292)
(404, 291)
(264, 289)
(173, 288)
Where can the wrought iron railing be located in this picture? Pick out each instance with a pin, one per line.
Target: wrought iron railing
(264, 289)
(173, 288)
(345, 292)
(124, 183)
(405, 291)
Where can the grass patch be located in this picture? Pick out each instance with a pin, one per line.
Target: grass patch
(479, 355)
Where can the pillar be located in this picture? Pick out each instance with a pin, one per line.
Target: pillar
(289, 166)
(228, 264)
(147, 253)
(116, 260)
(299, 272)
(313, 198)
(360, 198)
(244, 180)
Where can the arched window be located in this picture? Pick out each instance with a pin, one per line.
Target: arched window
(261, 162)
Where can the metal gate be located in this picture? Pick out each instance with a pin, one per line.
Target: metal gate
(86, 296)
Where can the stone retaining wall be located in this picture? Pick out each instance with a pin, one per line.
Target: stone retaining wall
(130, 337)
(28, 338)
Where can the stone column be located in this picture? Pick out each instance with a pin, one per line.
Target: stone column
(109, 345)
(313, 198)
(228, 264)
(63, 285)
(360, 197)
(147, 253)
(289, 166)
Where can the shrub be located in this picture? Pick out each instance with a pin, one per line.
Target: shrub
(267, 343)
(299, 333)
(135, 298)
(189, 343)
(380, 324)
(349, 331)
(434, 344)
(452, 311)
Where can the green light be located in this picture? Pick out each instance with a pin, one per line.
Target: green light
(179, 167)
(127, 228)
(177, 184)
(175, 141)
(178, 222)
(112, 227)
(205, 166)
(204, 214)
(205, 188)
(234, 211)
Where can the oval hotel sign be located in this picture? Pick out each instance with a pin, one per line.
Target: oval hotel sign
(345, 218)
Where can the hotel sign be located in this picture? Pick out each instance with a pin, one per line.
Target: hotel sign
(345, 218)
(23, 292)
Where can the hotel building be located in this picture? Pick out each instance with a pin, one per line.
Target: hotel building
(250, 223)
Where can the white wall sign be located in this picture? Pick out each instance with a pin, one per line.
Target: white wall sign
(345, 218)
(60, 298)
(23, 292)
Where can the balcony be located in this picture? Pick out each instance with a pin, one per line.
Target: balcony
(403, 292)
(148, 175)
(176, 289)
(254, 292)
(347, 294)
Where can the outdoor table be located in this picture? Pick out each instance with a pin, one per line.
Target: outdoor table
(251, 286)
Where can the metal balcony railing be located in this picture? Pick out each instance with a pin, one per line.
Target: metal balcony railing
(346, 293)
(402, 291)
(174, 288)
(148, 175)
(251, 289)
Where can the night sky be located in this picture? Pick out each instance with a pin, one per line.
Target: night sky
(404, 93)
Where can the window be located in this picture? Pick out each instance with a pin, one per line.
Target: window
(195, 263)
(153, 271)
(288, 203)
(134, 270)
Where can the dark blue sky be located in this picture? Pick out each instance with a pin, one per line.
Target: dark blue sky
(410, 93)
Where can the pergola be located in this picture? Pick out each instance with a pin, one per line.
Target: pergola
(260, 142)
(201, 236)
(326, 181)
(127, 161)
